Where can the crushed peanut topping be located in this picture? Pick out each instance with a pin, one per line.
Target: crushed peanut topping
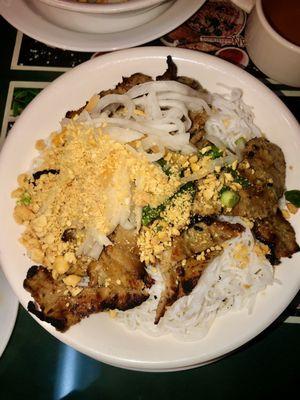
(156, 238)
(261, 249)
(241, 254)
(208, 197)
(88, 178)
(201, 256)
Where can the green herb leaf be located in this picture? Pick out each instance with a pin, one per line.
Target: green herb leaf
(164, 166)
(214, 152)
(25, 199)
(293, 196)
(238, 178)
(150, 214)
(188, 187)
(224, 189)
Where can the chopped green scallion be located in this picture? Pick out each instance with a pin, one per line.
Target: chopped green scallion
(229, 198)
(214, 152)
(25, 199)
(240, 141)
(244, 182)
(150, 214)
(164, 166)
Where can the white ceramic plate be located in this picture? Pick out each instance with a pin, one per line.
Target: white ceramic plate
(97, 18)
(100, 336)
(26, 19)
(8, 311)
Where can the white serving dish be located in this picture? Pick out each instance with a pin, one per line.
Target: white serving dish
(100, 18)
(100, 336)
(28, 20)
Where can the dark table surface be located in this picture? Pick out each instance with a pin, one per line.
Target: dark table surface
(35, 365)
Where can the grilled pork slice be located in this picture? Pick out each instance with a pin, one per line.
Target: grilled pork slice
(264, 167)
(197, 130)
(127, 83)
(120, 265)
(171, 72)
(117, 280)
(198, 118)
(276, 232)
(180, 268)
(121, 88)
(171, 75)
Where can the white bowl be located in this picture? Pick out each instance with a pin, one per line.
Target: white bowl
(99, 336)
(23, 17)
(100, 18)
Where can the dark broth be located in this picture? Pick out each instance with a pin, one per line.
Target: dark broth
(284, 17)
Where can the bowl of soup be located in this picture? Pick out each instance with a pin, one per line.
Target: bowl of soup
(273, 39)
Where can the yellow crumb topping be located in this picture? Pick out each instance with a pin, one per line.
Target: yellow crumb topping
(156, 238)
(207, 201)
(241, 255)
(94, 180)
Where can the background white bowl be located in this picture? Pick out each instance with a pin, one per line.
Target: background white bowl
(271, 53)
(100, 18)
(100, 336)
